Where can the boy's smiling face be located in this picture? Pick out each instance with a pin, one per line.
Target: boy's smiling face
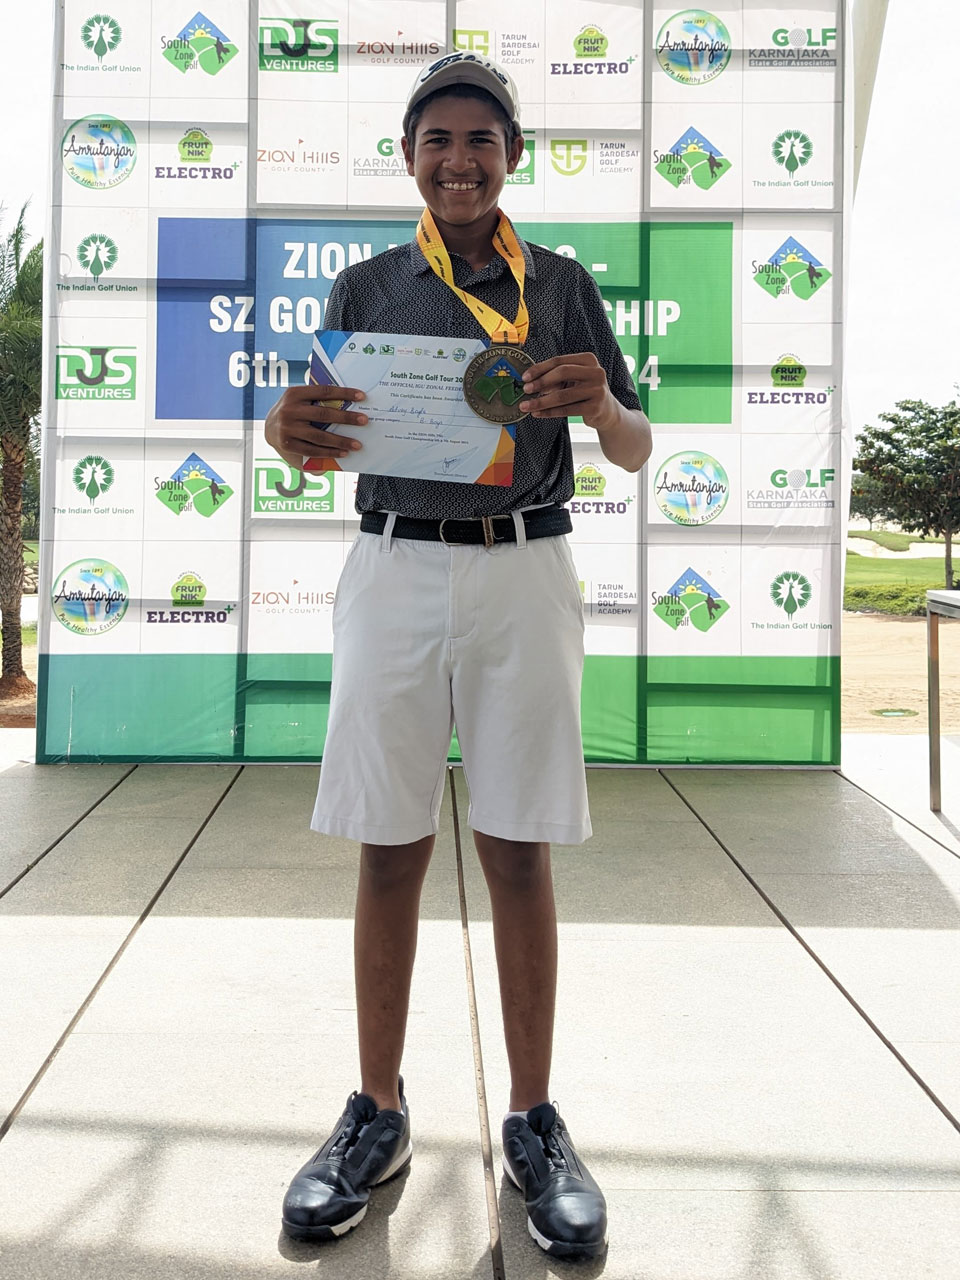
(460, 158)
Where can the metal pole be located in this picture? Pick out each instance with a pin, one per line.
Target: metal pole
(933, 703)
(869, 17)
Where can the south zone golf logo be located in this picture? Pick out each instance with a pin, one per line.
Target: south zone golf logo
(797, 48)
(299, 45)
(96, 373)
(589, 486)
(195, 150)
(99, 152)
(692, 159)
(199, 46)
(693, 47)
(792, 269)
(187, 597)
(591, 59)
(690, 602)
(89, 596)
(691, 488)
(194, 486)
(282, 490)
(794, 489)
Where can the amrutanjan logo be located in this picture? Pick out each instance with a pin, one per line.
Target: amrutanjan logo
(282, 490)
(188, 595)
(795, 488)
(97, 254)
(194, 486)
(690, 602)
(298, 45)
(791, 269)
(790, 592)
(568, 156)
(101, 35)
(525, 174)
(691, 488)
(788, 372)
(93, 476)
(692, 158)
(590, 43)
(199, 46)
(798, 48)
(89, 596)
(472, 41)
(96, 373)
(693, 47)
(99, 152)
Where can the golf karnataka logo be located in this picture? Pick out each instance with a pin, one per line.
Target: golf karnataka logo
(692, 158)
(89, 596)
(792, 150)
(790, 592)
(693, 47)
(194, 486)
(93, 476)
(101, 35)
(690, 602)
(568, 156)
(99, 152)
(691, 488)
(298, 44)
(792, 269)
(97, 254)
(200, 46)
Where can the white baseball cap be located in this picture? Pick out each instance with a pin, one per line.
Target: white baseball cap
(465, 68)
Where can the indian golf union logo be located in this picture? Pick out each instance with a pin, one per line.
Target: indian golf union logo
(298, 44)
(692, 158)
(89, 596)
(97, 254)
(792, 150)
(200, 46)
(691, 488)
(99, 152)
(690, 602)
(101, 35)
(93, 476)
(472, 41)
(693, 47)
(791, 269)
(788, 372)
(194, 486)
(96, 373)
(568, 156)
(282, 490)
(790, 592)
(590, 43)
(525, 174)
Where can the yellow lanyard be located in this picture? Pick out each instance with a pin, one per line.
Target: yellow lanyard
(507, 245)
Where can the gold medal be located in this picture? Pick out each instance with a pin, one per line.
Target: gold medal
(493, 383)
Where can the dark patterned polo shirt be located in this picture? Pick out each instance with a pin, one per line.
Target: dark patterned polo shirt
(397, 292)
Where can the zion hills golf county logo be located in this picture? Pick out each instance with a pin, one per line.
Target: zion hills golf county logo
(200, 46)
(693, 47)
(194, 486)
(690, 602)
(298, 44)
(790, 592)
(791, 269)
(101, 35)
(89, 596)
(99, 152)
(692, 158)
(96, 373)
(691, 488)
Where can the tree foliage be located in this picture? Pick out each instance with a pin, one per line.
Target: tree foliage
(866, 499)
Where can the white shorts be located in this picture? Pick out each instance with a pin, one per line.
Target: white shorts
(427, 636)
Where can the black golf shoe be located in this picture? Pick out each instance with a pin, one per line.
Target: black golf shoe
(329, 1195)
(566, 1211)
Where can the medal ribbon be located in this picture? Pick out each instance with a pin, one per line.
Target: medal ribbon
(505, 242)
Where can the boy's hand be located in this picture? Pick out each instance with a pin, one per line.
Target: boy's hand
(290, 428)
(568, 386)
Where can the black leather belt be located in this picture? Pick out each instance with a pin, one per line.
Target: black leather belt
(544, 522)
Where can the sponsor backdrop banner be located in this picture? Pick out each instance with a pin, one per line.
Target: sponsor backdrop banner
(215, 169)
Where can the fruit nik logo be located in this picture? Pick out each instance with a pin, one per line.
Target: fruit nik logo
(792, 150)
(693, 47)
(194, 486)
(187, 595)
(298, 44)
(691, 488)
(279, 489)
(96, 373)
(589, 486)
(692, 158)
(568, 156)
(691, 601)
(97, 254)
(792, 269)
(99, 152)
(101, 35)
(201, 45)
(589, 47)
(472, 41)
(93, 476)
(590, 43)
(89, 597)
(525, 174)
(790, 592)
(788, 372)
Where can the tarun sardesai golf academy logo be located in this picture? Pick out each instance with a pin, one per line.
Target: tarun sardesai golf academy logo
(791, 269)
(90, 596)
(692, 159)
(691, 488)
(194, 486)
(199, 46)
(690, 602)
(693, 47)
(99, 152)
(101, 34)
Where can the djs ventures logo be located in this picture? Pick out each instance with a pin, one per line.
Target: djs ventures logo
(96, 373)
(693, 47)
(298, 45)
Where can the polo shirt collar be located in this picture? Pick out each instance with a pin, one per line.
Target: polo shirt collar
(419, 264)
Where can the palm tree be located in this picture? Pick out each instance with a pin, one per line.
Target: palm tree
(21, 347)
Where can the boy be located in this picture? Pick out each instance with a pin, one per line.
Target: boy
(460, 603)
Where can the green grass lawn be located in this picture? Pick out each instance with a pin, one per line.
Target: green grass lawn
(31, 552)
(890, 586)
(892, 541)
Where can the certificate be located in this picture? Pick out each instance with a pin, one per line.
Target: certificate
(420, 425)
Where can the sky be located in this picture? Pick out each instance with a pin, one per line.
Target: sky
(903, 322)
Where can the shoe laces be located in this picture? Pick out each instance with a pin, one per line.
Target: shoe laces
(544, 1120)
(358, 1121)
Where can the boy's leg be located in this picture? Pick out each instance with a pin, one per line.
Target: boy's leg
(384, 947)
(525, 937)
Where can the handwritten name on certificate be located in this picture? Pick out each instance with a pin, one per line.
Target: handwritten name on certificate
(419, 423)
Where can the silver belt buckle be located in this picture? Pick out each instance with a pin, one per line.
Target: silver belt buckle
(443, 539)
